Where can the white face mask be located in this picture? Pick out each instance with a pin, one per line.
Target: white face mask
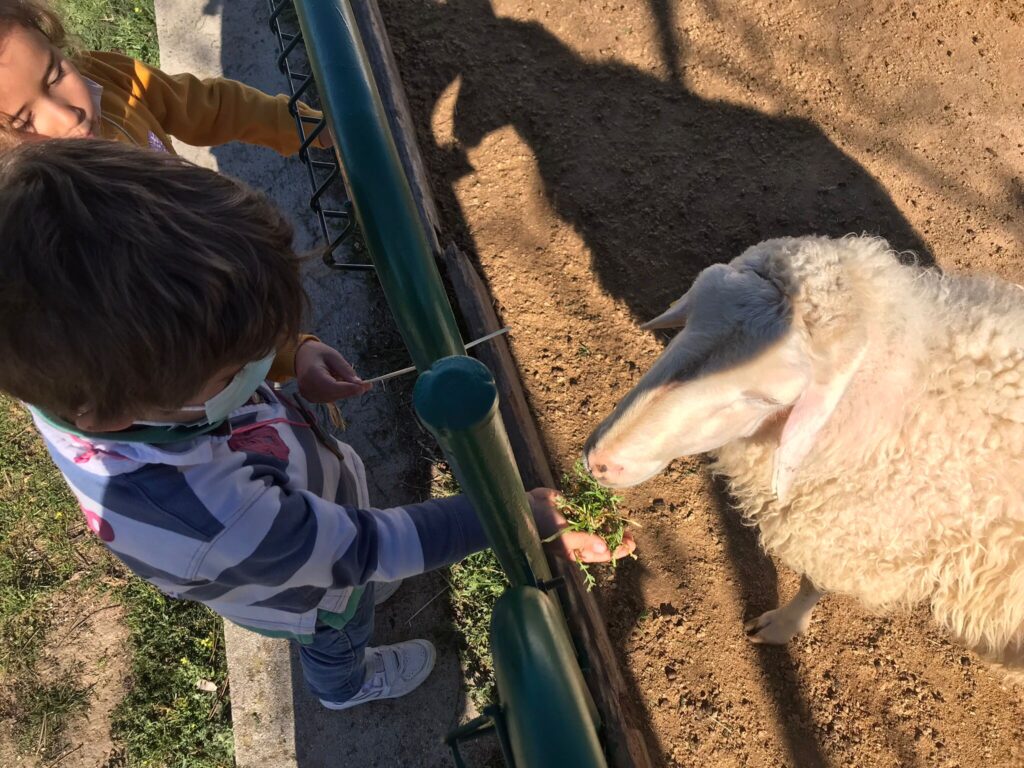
(233, 396)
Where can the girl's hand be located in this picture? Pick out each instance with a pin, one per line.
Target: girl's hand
(324, 376)
(572, 545)
(325, 140)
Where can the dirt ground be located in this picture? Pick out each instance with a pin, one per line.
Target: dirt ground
(87, 642)
(594, 157)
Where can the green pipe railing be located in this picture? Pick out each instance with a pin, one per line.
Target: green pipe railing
(540, 682)
(458, 402)
(550, 717)
(393, 234)
(383, 202)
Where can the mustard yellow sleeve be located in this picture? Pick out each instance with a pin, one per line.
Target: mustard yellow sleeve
(215, 111)
(283, 368)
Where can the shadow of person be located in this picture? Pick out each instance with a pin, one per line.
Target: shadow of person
(657, 181)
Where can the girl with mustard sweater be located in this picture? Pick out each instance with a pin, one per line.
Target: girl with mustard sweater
(45, 93)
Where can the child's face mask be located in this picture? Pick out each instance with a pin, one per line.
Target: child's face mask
(233, 396)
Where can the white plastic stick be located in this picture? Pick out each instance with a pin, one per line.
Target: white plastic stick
(412, 368)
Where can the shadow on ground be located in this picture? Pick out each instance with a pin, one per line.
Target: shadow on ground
(657, 181)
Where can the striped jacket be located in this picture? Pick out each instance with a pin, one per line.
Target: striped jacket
(268, 522)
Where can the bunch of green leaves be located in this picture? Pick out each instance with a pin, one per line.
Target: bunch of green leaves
(589, 507)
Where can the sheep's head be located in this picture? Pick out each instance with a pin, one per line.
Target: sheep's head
(743, 358)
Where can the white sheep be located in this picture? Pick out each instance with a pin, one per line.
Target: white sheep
(869, 417)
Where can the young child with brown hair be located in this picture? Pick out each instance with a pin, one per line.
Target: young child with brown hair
(45, 93)
(140, 336)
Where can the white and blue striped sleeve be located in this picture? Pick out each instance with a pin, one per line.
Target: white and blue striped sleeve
(295, 539)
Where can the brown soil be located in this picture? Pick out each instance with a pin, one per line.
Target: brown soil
(86, 641)
(92, 639)
(594, 157)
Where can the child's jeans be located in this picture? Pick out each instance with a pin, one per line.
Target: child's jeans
(334, 664)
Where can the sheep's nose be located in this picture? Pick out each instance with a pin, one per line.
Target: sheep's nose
(601, 467)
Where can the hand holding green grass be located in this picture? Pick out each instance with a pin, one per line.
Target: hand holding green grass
(571, 540)
(590, 512)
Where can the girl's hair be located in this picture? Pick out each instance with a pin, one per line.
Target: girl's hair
(31, 14)
(129, 278)
(35, 15)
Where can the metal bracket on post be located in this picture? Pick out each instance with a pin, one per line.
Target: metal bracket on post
(491, 721)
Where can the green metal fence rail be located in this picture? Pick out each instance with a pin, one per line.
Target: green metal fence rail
(458, 402)
(546, 717)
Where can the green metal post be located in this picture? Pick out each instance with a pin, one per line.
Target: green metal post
(383, 201)
(544, 698)
(455, 397)
(458, 401)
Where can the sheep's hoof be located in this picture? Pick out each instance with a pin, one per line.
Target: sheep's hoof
(777, 627)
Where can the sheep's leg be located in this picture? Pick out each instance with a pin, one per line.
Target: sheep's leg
(780, 626)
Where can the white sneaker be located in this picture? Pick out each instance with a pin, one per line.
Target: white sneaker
(392, 671)
(383, 590)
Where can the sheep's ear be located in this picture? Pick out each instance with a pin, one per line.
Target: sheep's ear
(673, 317)
(809, 416)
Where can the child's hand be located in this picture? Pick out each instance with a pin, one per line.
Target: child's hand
(325, 140)
(572, 545)
(324, 375)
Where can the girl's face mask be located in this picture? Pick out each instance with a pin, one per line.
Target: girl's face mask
(233, 396)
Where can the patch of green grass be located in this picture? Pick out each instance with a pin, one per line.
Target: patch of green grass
(43, 540)
(476, 584)
(591, 508)
(43, 544)
(123, 26)
(166, 719)
(43, 712)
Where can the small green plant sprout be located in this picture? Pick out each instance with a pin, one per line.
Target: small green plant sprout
(591, 508)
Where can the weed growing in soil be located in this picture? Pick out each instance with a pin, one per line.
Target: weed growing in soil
(44, 711)
(591, 508)
(43, 544)
(476, 583)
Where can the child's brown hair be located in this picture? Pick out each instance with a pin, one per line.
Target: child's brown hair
(128, 278)
(33, 14)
